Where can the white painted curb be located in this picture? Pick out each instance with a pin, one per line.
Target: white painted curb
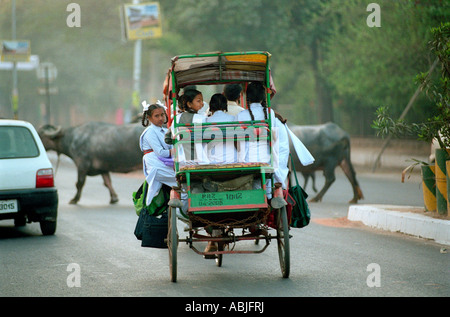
(384, 217)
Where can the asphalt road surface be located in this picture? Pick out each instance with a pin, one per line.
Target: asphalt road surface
(94, 251)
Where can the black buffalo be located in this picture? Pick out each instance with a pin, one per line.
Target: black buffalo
(96, 148)
(330, 146)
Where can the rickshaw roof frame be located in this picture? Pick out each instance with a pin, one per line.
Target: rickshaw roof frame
(176, 87)
(173, 92)
(245, 61)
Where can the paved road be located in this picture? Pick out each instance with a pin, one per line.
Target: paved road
(330, 257)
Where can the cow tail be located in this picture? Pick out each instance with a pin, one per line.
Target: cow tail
(348, 169)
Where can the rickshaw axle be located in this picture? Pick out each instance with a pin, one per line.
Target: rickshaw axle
(259, 235)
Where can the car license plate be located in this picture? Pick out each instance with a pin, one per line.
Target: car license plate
(7, 206)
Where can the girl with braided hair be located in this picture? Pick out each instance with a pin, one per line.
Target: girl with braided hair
(189, 103)
(157, 154)
(255, 151)
(224, 151)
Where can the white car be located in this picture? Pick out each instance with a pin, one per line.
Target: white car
(27, 190)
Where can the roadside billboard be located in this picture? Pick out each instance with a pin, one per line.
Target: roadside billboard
(142, 21)
(15, 51)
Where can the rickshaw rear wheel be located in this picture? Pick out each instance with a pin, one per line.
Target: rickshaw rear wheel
(283, 241)
(172, 243)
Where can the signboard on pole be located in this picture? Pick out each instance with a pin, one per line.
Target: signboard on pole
(46, 72)
(142, 21)
(49, 91)
(15, 51)
(31, 65)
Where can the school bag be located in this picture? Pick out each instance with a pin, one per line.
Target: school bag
(152, 225)
(300, 213)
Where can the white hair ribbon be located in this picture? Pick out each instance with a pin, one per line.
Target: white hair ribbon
(145, 105)
(159, 103)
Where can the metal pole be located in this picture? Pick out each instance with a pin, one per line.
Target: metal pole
(15, 91)
(47, 90)
(137, 70)
(136, 73)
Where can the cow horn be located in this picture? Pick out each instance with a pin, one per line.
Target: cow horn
(50, 130)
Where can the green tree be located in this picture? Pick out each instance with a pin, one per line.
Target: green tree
(293, 32)
(369, 67)
(327, 63)
(438, 124)
(90, 59)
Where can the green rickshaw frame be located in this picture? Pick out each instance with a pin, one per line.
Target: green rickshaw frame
(221, 212)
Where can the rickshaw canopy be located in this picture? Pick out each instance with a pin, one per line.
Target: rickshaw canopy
(217, 68)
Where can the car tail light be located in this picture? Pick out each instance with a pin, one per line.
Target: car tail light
(44, 178)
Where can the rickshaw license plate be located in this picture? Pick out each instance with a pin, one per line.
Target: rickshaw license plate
(229, 198)
(7, 206)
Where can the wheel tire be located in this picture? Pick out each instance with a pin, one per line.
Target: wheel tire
(283, 241)
(172, 243)
(48, 228)
(20, 222)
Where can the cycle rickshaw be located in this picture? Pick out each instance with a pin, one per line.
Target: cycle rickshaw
(228, 211)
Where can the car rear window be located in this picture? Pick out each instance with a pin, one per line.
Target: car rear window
(17, 142)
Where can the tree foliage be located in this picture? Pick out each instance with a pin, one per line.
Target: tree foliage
(438, 124)
(327, 63)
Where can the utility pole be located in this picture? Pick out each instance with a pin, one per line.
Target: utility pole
(143, 21)
(15, 91)
(47, 73)
(136, 73)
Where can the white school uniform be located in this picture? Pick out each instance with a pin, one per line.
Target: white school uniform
(155, 171)
(304, 156)
(234, 108)
(255, 151)
(200, 154)
(281, 153)
(220, 152)
(281, 147)
(204, 111)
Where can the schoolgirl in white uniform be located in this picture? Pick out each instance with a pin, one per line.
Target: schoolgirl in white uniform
(259, 151)
(157, 160)
(225, 151)
(189, 104)
(281, 150)
(255, 151)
